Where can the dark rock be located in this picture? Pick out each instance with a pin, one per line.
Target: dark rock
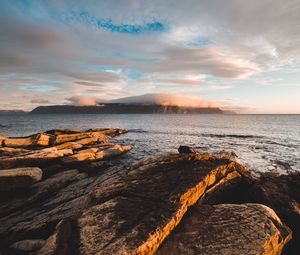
(185, 149)
(17, 178)
(27, 245)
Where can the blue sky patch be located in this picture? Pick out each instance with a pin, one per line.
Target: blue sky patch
(108, 24)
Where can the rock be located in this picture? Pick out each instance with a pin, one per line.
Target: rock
(279, 192)
(7, 151)
(43, 139)
(89, 140)
(35, 157)
(28, 245)
(78, 136)
(69, 145)
(56, 132)
(228, 229)
(2, 138)
(137, 217)
(18, 142)
(11, 179)
(185, 149)
(93, 154)
(38, 139)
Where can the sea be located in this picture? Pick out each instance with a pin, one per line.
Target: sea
(262, 143)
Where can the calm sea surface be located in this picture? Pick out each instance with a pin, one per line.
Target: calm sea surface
(262, 142)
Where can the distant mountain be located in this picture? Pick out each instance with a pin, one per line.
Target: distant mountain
(115, 108)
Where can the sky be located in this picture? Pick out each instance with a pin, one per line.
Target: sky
(238, 55)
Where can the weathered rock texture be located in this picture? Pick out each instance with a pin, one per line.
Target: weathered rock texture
(281, 193)
(11, 179)
(55, 146)
(228, 229)
(84, 205)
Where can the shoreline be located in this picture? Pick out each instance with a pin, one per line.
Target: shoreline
(75, 187)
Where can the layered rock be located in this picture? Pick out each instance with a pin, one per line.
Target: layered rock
(228, 229)
(84, 205)
(11, 179)
(60, 146)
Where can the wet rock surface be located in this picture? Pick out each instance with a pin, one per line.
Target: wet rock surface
(92, 200)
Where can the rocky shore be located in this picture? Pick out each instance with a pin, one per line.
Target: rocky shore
(78, 192)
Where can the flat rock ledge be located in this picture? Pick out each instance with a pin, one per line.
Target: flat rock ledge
(84, 205)
(60, 146)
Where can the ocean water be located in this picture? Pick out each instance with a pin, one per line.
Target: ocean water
(261, 142)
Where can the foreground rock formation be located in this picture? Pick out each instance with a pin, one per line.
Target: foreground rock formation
(90, 201)
(228, 229)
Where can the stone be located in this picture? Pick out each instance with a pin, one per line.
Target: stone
(2, 138)
(43, 139)
(89, 140)
(39, 139)
(28, 245)
(7, 151)
(78, 136)
(279, 192)
(92, 154)
(11, 179)
(228, 229)
(35, 157)
(69, 145)
(116, 150)
(137, 217)
(18, 142)
(185, 149)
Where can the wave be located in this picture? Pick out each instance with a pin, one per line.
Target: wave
(232, 136)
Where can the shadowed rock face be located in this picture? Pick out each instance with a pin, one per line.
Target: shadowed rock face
(281, 193)
(19, 178)
(84, 205)
(228, 229)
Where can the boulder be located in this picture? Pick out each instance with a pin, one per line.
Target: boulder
(135, 218)
(228, 229)
(185, 149)
(11, 179)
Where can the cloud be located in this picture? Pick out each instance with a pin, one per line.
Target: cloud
(168, 99)
(40, 101)
(82, 100)
(108, 50)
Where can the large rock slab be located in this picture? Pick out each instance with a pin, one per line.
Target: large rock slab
(228, 229)
(78, 136)
(11, 179)
(135, 218)
(40, 139)
(93, 154)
